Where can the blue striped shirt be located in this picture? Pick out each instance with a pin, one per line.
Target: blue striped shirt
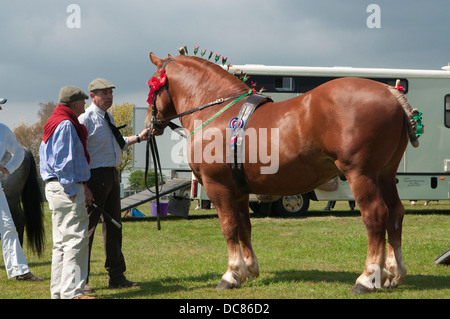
(62, 157)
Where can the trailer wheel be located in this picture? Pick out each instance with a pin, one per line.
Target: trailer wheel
(291, 206)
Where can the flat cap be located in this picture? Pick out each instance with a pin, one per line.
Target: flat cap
(69, 94)
(100, 84)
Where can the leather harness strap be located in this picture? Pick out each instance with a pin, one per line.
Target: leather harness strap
(237, 167)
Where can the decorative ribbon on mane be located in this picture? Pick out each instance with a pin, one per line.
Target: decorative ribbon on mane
(156, 83)
(419, 126)
(62, 113)
(399, 87)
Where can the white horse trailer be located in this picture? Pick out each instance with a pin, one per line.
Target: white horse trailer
(424, 172)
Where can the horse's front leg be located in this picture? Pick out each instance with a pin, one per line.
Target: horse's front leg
(245, 233)
(236, 273)
(227, 210)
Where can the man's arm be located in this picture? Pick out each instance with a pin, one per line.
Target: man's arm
(17, 153)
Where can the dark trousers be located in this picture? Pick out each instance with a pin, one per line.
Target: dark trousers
(104, 185)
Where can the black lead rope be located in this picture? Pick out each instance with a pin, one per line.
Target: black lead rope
(151, 143)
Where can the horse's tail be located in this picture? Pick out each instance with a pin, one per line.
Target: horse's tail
(412, 117)
(32, 204)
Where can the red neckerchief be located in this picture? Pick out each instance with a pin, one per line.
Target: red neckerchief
(60, 114)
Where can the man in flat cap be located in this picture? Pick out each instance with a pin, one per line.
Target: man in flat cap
(64, 166)
(105, 145)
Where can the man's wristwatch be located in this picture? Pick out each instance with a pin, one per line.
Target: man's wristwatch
(138, 138)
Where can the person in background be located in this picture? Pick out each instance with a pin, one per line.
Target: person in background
(15, 261)
(331, 203)
(105, 145)
(64, 166)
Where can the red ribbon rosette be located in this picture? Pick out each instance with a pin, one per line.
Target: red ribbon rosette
(155, 84)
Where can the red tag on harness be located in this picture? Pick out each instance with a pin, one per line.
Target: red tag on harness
(155, 84)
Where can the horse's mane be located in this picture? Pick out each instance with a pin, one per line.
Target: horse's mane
(215, 73)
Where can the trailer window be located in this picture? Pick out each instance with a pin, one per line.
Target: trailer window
(447, 110)
(285, 84)
(301, 84)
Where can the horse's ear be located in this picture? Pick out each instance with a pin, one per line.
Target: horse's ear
(155, 60)
(169, 56)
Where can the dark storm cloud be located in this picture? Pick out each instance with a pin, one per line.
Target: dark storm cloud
(39, 53)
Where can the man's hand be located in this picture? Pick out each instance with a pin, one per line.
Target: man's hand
(144, 134)
(89, 196)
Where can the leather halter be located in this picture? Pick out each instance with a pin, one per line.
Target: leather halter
(153, 119)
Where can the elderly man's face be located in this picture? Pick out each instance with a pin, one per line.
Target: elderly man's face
(78, 107)
(102, 98)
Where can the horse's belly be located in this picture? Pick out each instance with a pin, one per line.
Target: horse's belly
(295, 177)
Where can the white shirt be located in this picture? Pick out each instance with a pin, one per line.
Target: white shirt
(101, 143)
(9, 143)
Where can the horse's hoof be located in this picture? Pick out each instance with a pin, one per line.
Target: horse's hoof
(225, 285)
(360, 289)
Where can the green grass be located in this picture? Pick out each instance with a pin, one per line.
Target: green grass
(316, 257)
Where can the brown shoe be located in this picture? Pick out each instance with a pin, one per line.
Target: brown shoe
(29, 277)
(83, 297)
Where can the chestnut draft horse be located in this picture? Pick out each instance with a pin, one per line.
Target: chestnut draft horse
(351, 126)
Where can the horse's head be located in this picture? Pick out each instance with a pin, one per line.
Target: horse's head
(159, 99)
(191, 81)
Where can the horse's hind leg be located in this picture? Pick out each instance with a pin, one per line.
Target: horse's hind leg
(375, 214)
(394, 262)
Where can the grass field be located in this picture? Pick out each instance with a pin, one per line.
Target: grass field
(316, 257)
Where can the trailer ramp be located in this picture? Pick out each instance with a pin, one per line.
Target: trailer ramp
(143, 197)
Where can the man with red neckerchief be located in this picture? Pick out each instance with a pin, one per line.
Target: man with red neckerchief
(64, 166)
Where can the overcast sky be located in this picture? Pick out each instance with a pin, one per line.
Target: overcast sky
(40, 52)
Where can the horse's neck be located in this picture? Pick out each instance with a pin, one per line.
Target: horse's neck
(205, 91)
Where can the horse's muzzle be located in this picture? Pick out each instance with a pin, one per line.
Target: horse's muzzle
(157, 131)
(156, 126)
